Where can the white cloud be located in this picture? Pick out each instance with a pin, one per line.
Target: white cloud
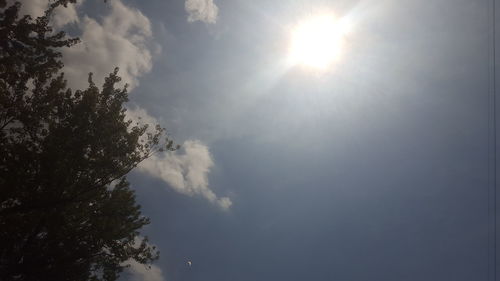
(201, 10)
(140, 272)
(186, 172)
(123, 38)
(34, 8)
(140, 115)
(62, 15)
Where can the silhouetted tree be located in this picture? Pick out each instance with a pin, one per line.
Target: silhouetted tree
(66, 209)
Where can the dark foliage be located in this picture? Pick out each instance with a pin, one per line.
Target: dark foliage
(66, 209)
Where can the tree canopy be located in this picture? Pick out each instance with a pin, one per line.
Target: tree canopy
(67, 211)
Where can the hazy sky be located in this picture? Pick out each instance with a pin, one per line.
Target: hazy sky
(375, 168)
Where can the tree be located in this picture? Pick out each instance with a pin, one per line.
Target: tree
(66, 209)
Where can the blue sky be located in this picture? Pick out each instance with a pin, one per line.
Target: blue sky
(373, 169)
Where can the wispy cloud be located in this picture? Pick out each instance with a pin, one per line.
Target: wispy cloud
(186, 171)
(140, 116)
(201, 10)
(140, 272)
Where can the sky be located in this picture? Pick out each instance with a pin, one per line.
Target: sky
(377, 167)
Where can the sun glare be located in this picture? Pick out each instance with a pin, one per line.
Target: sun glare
(317, 42)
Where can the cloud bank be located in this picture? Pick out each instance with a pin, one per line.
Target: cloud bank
(62, 16)
(34, 8)
(201, 10)
(121, 39)
(186, 171)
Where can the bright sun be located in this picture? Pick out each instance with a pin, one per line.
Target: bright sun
(317, 42)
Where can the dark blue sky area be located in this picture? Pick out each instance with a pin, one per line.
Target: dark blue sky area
(380, 216)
